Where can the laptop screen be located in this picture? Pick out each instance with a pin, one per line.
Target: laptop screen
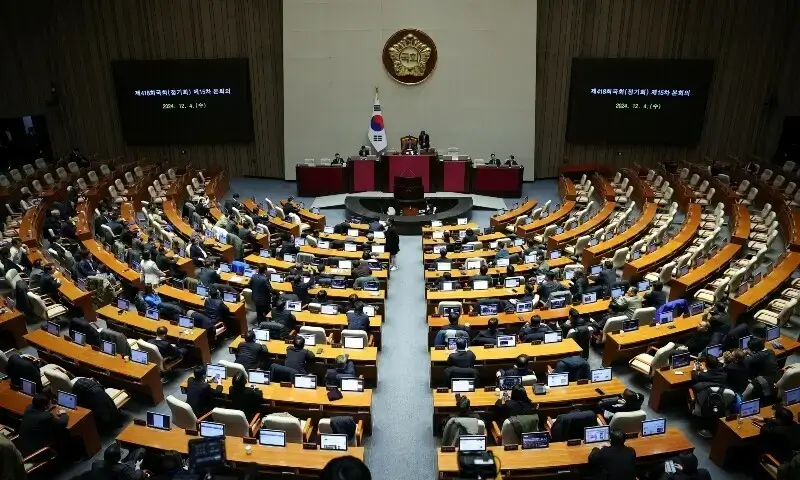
(78, 337)
(773, 333)
(123, 304)
(665, 317)
(502, 262)
(53, 328)
(224, 268)
(792, 396)
(595, 269)
(329, 309)
(555, 254)
(590, 297)
(108, 348)
(512, 282)
(311, 339)
(258, 377)
(215, 371)
(744, 342)
(506, 341)
(352, 384)
(630, 325)
(263, 253)
(480, 284)
(139, 356)
(462, 385)
(680, 360)
(212, 429)
(305, 381)
(643, 285)
(371, 286)
(333, 441)
(272, 438)
(230, 297)
(696, 308)
(345, 264)
(750, 408)
(369, 310)
(714, 350)
(67, 400)
(27, 387)
(350, 247)
(444, 266)
(656, 426)
(601, 375)
(294, 306)
(523, 307)
(535, 440)
(202, 291)
(185, 322)
(490, 309)
(472, 443)
(446, 311)
(276, 277)
(158, 420)
(617, 292)
(557, 379)
(151, 313)
(558, 302)
(596, 434)
(509, 382)
(353, 342)
(552, 337)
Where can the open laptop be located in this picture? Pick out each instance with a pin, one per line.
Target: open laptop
(656, 426)
(271, 438)
(67, 400)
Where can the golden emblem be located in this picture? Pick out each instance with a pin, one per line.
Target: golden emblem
(409, 56)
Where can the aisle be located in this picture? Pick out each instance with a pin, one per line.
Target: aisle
(402, 443)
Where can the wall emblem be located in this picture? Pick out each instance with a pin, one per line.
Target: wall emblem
(409, 56)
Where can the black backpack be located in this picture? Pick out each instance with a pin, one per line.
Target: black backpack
(714, 404)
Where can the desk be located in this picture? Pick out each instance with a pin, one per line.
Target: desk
(496, 181)
(81, 424)
(604, 187)
(463, 256)
(329, 252)
(499, 221)
(197, 302)
(291, 460)
(366, 359)
(626, 345)
(321, 180)
(109, 260)
(525, 270)
(488, 360)
(12, 329)
(698, 275)
(492, 237)
(110, 371)
(555, 242)
(428, 231)
(315, 220)
(593, 255)
(535, 226)
(186, 231)
(407, 166)
(133, 325)
(337, 323)
(280, 224)
(557, 400)
(731, 436)
(741, 220)
(563, 462)
(761, 291)
(304, 403)
(340, 295)
(649, 262)
(335, 237)
(668, 382)
(280, 265)
(68, 290)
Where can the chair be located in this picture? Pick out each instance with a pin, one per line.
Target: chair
(505, 435)
(580, 245)
(49, 180)
(762, 215)
(628, 422)
(324, 427)
(778, 182)
(318, 332)
(181, 413)
(788, 167)
(29, 170)
(622, 187)
(790, 189)
(519, 220)
(138, 171)
(751, 197)
(644, 315)
(620, 257)
(648, 363)
(154, 356)
(584, 198)
(683, 173)
(789, 380)
(657, 182)
(236, 424)
(116, 196)
(40, 164)
(779, 318)
(766, 175)
(743, 187)
(154, 196)
(702, 188)
(232, 368)
(708, 197)
(709, 296)
(197, 186)
(548, 232)
(297, 431)
(693, 180)
(623, 199)
(368, 339)
(105, 170)
(92, 175)
(613, 324)
(192, 194)
(764, 231)
(172, 174)
(650, 175)
(448, 304)
(73, 168)
(754, 246)
(129, 178)
(45, 309)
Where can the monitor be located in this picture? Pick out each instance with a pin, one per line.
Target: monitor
(438, 235)
(531, 258)
(212, 429)
(67, 400)
(555, 254)
(744, 341)
(258, 377)
(512, 282)
(263, 253)
(27, 387)
(461, 221)
(446, 311)
(159, 421)
(436, 223)
(276, 278)
(680, 360)
(448, 286)
(311, 339)
(323, 244)
(656, 426)
(224, 267)
(492, 245)
(369, 310)
(471, 264)
(506, 341)
(683, 270)
(488, 309)
(750, 408)
(773, 333)
(524, 307)
(353, 342)
(377, 249)
(346, 264)
(590, 297)
(630, 325)
(637, 254)
(139, 356)
(305, 381)
(299, 242)
(462, 385)
(472, 443)
(593, 242)
(595, 269)
(329, 309)
(216, 371)
(202, 291)
(792, 396)
(714, 350)
(287, 257)
(569, 274)
(374, 266)
(371, 286)
(601, 375)
(123, 304)
(559, 230)
(469, 248)
(294, 306)
(502, 262)
(333, 441)
(518, 242)
(558, 302)
(558, 379)
(552, 337)
(696, 308)
(151, 313)
(480, 284)
(444, 266)
(540, 278)
(271, 438)
(352, 232)
(350, 247)
(596, 434)
(509, 381)
(109, 348)
(53, 328)
(616, 292)
(665, 317)
(643, 285)
(352, 384)
(78, 337)
(230, 297)
(379, 234)
(532, 440)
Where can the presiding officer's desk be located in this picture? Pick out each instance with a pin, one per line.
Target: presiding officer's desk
(625, 345)
(731, 438)
(667, 383)
(133, 325)
(337, 323)
(769, 284)
(560, 461)
(81, 424)
(306, 403)
(292, 460)
(663, 254)
(499, 222)
(196, 302)
(489, 360)
(557, 400)
(698, 276)
(593, 255)
(116, 372)
(365, 360)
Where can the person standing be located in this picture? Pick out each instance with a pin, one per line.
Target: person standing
(262, 293)
(392, 243)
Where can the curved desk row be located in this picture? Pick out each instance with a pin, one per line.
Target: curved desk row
(593, 255)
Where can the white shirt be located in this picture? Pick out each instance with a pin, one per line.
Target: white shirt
(16, 253)
(151, 273)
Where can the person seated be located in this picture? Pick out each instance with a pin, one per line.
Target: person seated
(287, 247)
(23, 366)
(207, 274)
(614, 462)
(731, 339)
(250, 353)
(685, 469)
(442, 259)
(630, 401)
(700, 339)
(459, 330)
(165, 347)
(549, 286)
(678, 307)
(196, 250)
(357, 319)
(762, 361)
(149, 298)
(713, 372)
(343, 368)
(655, 297)
(582, 332)
(780, 435)
(580, 285)
(488, 336)
(502, 251)
(462, 422)
(461, 357)
(493, 160)
(86, 267)
(577, 368)
(232, 202)
(534, 329)
(48, 284)
(248, 400)
(112, 466)
(214, 307)
(297, 356)
(568, 426)
(483, 275)
(40, 427)
(283, 316)
(529, 293)
(736, 374)
(337, 160)
(200, 394)
(362, 269)
(514, 404)
(469, 236)
(363, 151)
(520, 368)
(511, 161)
(607, 277)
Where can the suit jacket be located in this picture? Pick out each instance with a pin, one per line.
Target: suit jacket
(356, 321)
(196, 251)
(101, 470)
(48, 285)
(763, 364)
(11, 466)
(425, 141)
(495, 161)
(261, 288)
(248, 400)
(216, 309)
(86, 268)
(632, 304)
(250, 354)
(208, 276)
(655, 299)
(461, 359)
(617, 463)
(167, 349)
(200, 396)
(39, 428)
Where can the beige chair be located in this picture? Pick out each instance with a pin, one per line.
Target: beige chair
(324, 427)
(683, 173)
(541, 238)
(367, 339)
(138, 171)
(649, 363)
(115, 195)
(297, 431)
(751, 197)
(40, 164)
(701, 190)
(742, 189)
(73, 168)
(192, 195)
(507, 433)
(172, 174)
(181, 413)
(519, 221)
(709, 296)
(754, 246)
(778, 182)
(707, 199)
(644, 315)
(44, 308)
(59, 379)
(693, 180)
(620, 257)
(584, 198)
(766, 175)
(154, 356)
(613, 324)
(780, 318)
(791, 187)
(795, 202)
(236, 424)
(577, 250)
(105, 170)
(764, 225)
(761, 236)
(154, 196)
(664, 275)
(628, 422)
(318, 332)
(625, 197)
(622, 187)
(761, 216)
(232, 368)
(789, 380)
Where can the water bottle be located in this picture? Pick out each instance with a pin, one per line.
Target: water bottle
(695, 366)
(739, 420)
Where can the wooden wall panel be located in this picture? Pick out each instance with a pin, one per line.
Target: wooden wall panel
(757, 64)
(71, 43)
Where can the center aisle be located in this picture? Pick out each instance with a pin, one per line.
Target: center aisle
(402, 443)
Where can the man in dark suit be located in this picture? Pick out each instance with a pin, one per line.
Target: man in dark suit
(167, 349)
(283, 316)
(607, 277)
(20, 366)
(363, 151)
(357, 320)
(424, 140)
(301, 288)
(617, 461)
(86, 266)
(761, 362)
(111, 466)
(511, 162)
(549, 286)
(262, 293)
(337, 160)
(233, 203)
(470, 236)
(196, 250)
(297, 357)
(48, 285)
(250, 353)
(207, 274)
(493, 161)
(40, 427)
(199, 394)
(462, 357)
(214, 307)
(655, 297)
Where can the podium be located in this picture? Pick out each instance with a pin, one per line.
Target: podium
(418, 165)
(363, 173)
(409, 194)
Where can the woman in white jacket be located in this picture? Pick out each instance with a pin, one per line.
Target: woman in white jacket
(151, 275)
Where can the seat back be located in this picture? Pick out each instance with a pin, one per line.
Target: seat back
(82, 185)
(683, 173)
(650, 175)
(355, 334)
(138, 171)
(645, 315)
(247, 295)
(620, 257)
(286, 423)
(628, 422)
(28, 169)
(40, 163)
(751, 196)
(58, 379)
(703, 186)
(613, 324)
(617, 178)
(449, 304)
(304, 257)
(232, 368)
(657, 182)
(661, 358)
(181, 413)
(234, 420)
(743, 187)
(778, 183)
(73, 167)
(318, 332)
(693, 181)
(789, 380)
(105, 170)
(172, 174)
(129, 178)
(790, 188)
(152, 192)
(39, 308)
(665, 275)
(766, 175)
(153, 353)
(637, 246)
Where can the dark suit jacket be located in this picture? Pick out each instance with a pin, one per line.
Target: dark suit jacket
(654, 299)
(495, 161)
(48, 285)
(617, 463)
(461, 359)
(208, 276)
(200, 396)
(762, 364)
(195, 252)
(39, 428)
(21, 367)
(86, 268)
(250, 354)
(357, 321)
(425, 141)
(117, 471)
(167, 349)
(248, 400)
(216, 309)
(261, 288)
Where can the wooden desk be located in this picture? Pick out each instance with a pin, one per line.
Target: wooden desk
(626, 345)
(561, 461)
(81, 424)
(315, 220)
(492, 237)
(68, 290)
(186, 231)
(697, 277)
(110, 371)
(366, 359)
(555, 242)
(502, 220)
(449, 228)
(488, 360)
(337, 323)
(603, 186)
(272, 461)
(463, 256)
(761, 291)
(335, 237)
(12, 329)
(593, 255)
(283, 266)
(197, 302)
(559, 215)
(566, 189)
(741, 221)
(556, 401)
(665, 253)
(329, 252)
(112, 263)
(304, 403)
(133, 325)
(731, 436)
(291, 228)
(524, 270)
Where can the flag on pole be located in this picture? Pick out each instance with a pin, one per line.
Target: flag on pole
(377, 132)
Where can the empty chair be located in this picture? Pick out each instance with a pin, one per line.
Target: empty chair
(236, 424)
(577, 250)
(613, 324)
(192, 194)
(62, 174)
(777, 318)
(650, 175)
(790, 189)
(622, 187)
(129, 178)
(541, 238)
(181, 414)
(297, 431)
(37, 186)
(584, 198)
(172, 174)
(29, 170)
(623, 199)
(45, 308)
(40, 164)
(644, 315)
(683, 173)
(766, 175)
(581, 185)
(105, 170)
(751, 196)
(778, 182)
(709, 296)
(120, 187)
(755, 246)
(73, 168)
(232, 368)
(707, 199)
(666, 198)
(673, 208)
(664, 275)
(742, 189)
(49, 180)
(154, 196)
(788, 167)
(93, 177)
(367, 339)
(702, 188)
(761, 232)
(762, 215)
(628, 422)
(693, 181)
(712, 216)
(138, 171)
(116, 196)
(657, 182)
(648, 363)
(520, 220)
(789, 380)
(545, 210)
(82, 187)
(620, 257)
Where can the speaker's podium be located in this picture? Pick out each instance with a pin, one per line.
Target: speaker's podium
(409, 194)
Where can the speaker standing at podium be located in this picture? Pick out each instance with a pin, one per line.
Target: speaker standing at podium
(424, 141)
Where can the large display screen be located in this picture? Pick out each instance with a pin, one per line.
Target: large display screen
(184, 101)
(636, 101)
